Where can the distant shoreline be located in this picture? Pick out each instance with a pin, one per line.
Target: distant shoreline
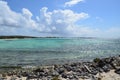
(22, 37)
(16, 37)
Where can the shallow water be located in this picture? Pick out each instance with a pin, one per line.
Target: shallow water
(43, 51)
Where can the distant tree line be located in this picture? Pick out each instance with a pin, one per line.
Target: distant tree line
(11, 37)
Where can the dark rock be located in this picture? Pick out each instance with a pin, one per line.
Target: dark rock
(116, 62)
(25, 74)
(73, 65)
(70, 76)
(84, 74)
(109, 66)
(67, 67)
(101, 63)
(19, 76)
(39, 70)
(74, 69)
(99, 69)
(76, 77)
(108, 60)
(96, 60)
(106, 68)
(55, 73)
(32, 77)
(56, 66)
(41, 73)
(93, 65)
(113, 65)
(117, 71)
(61, 70)
(94, 72)
(78, 70)
(64, 75)
(93, 77)
(83, 69)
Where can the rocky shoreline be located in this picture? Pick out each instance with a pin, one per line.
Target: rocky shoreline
(98, 69)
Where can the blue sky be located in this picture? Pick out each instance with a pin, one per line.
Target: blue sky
(66, 18)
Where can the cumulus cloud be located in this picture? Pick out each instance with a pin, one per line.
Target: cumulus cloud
(59, 21)
(27, 13)
(72, 2)
(10, 19)
(48, 23)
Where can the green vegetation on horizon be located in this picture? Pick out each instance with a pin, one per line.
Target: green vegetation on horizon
(20, 37)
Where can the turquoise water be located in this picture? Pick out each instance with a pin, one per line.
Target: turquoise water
(43, 51)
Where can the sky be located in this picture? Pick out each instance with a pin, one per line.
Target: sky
(60, 18)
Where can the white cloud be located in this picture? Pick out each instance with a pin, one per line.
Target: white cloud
(48, 23)
(27, 13)
(59, 22)
(72, 2)
(10, 19)
(56, 22)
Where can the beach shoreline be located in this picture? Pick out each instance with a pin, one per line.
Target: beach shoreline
(98, 69)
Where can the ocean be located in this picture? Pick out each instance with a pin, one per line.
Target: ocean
(48, 51)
